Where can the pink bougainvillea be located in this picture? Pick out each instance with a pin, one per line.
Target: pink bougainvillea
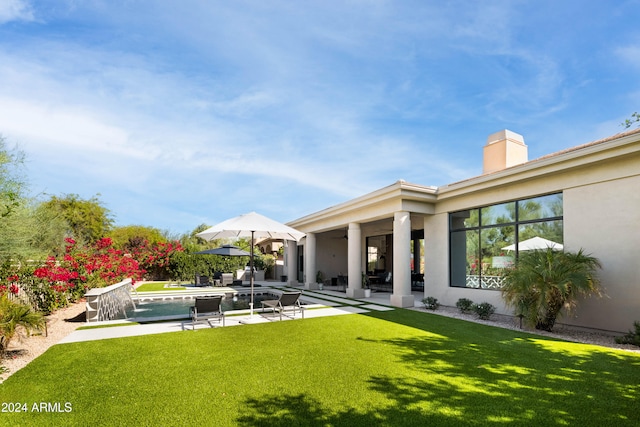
(66, 278)
(82, 268)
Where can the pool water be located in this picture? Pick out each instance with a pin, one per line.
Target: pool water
(180, 307)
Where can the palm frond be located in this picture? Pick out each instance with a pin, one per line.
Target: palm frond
(543, 282)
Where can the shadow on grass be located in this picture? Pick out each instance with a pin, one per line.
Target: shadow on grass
(461, 373)
(302, 410)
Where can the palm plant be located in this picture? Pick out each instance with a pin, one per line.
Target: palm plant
(13, 317)
(543, 282)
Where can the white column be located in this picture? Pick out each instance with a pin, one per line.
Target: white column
(310, 262)
(291, 256)
(354, 261)
(402, 296)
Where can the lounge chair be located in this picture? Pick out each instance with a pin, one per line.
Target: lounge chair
(287, 301)
(202, 280)
(206, 309)
(217, 279)
(227, 279)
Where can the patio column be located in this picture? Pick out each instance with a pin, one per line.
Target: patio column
(310, 262)
(354, 261)
(401, 296)
(291, 254)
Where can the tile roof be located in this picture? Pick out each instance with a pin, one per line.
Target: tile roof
(551, 155)
(588, 144)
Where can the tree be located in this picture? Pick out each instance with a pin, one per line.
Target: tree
(635, 118)
(87, 220)
(18, 226)
(11, 183)
(130, 237)
(16, 232)
(543, 282)
(49, 229)
(192, 240)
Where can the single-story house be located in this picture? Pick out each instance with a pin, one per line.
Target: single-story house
(454, 240)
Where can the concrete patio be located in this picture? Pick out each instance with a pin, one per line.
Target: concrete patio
(318, 303)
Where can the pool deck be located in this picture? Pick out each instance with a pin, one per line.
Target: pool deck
(323, 303)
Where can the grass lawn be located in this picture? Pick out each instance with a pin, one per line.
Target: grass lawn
(157, 286)
(393, 368)
(114, 325)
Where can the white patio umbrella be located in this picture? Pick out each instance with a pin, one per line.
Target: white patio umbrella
(533, 244)
(251, 225)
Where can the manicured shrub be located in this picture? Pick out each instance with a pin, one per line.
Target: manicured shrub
(431, 303)
(184, 266)
(465, 305)
(631, 337)
(484, 310)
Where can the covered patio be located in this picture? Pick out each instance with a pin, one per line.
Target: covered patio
(375, 241)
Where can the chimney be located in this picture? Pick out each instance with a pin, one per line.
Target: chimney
(503, 150)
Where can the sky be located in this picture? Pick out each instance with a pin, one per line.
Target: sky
(181, 113)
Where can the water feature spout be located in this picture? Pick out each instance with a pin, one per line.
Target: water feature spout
(107, 303)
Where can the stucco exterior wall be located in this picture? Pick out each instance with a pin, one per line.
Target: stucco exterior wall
(436, 249)
(601, 215)
(604, 220)
(331, 255)
(599, 182)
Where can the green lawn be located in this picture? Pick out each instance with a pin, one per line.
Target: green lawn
(157, 286)
(400, 367)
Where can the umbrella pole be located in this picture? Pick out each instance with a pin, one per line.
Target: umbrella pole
(251, 278)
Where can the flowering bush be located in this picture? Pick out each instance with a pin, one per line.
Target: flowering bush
(67, 278)
(11, 286)
(84, 268)
(19, 281)
(155, 258)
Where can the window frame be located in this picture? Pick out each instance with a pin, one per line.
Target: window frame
(478, 226)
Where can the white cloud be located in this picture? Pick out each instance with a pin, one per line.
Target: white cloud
(15, 10)
(233, 104)
(65, 127)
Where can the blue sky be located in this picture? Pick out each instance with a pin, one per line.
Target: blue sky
(179, 113)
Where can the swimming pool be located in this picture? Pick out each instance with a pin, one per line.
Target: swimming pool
(178, 307)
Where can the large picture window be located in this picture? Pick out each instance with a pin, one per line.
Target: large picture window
(376, 254)
(486, 240)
